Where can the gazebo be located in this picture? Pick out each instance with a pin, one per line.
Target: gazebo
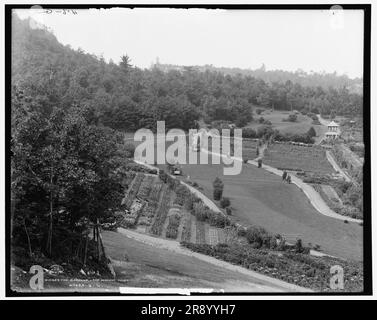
(332, 130)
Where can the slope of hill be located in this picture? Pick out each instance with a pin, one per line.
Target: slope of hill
(311, 79)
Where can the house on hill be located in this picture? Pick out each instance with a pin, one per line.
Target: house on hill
(332, 130)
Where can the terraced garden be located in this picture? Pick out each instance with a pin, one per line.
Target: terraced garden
(286, 156)
(152, 207)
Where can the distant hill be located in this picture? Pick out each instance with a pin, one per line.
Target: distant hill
(312, 79)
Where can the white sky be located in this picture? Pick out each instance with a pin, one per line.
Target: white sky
(286, 39)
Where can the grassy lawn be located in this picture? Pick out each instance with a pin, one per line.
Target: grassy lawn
(276, 117)
(293, 157)
(261, 198)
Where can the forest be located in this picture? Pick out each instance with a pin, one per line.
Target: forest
(69, 109)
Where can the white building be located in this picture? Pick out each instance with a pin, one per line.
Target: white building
(332, 130)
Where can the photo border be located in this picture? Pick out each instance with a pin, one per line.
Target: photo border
(367, 227)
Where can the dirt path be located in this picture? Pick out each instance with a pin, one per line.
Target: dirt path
(314, 197)
(324, 123)
(336, 167)
(264, 283)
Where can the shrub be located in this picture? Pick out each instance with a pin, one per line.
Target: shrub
(241, 121)
(241, 232)
(129, 149)
(218, 187)
(265, 131)
(259, 111)
(224, 202)
(298, 246)
(249, 133)
(311, 132)
(261, 120)
(292, 117)
(258, 237)
(163, 176)
(200, 211)
(217, 219)
(228, 211)
(189, 202)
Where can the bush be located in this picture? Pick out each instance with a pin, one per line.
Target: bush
(292, 118)
(224, 202)
(311, 132)
(241, 232)
(258, 237)
(240, 122)
(303, 138)
(163, 176)
(249, 133)
(265, 131)
(217, 219)
(261, 120)
(259, 111)
(129, 150)
(200, 211)
(228, 211)
(218, 187)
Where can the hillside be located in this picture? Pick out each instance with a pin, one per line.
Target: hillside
(126, 98)
(311, 79)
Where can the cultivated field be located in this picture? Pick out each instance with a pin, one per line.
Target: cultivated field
(155, 209)
(291, 157)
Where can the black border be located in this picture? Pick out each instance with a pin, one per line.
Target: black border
(367, 234)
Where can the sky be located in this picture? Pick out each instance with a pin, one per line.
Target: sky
(320, 40)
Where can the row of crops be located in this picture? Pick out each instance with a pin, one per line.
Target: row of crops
(151, 204)
(298, 158)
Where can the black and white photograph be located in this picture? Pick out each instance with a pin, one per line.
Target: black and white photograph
(187, 150)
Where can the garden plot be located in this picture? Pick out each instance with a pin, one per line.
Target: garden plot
(132, 215)
(200, 232)
(173, 223)
(298, 158)
(146, 186)
(133, 190)
(162, 212)
(213, 237)
(185, 235)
